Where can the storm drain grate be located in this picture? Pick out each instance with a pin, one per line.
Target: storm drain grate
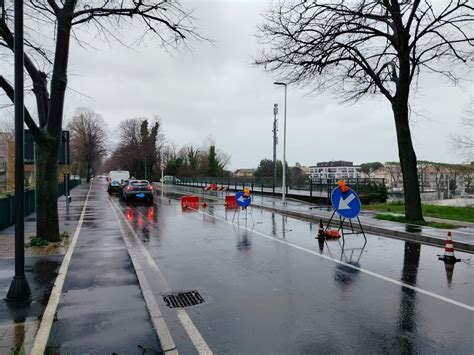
(183, 299)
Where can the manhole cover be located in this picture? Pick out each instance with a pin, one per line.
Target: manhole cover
(183, 299)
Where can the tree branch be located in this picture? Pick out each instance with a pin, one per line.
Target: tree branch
(8, 88)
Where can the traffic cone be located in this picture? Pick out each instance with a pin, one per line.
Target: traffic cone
(448, 256)
(321, 234)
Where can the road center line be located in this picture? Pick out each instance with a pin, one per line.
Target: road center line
(42, 336)
(193, 333)
(385, 278)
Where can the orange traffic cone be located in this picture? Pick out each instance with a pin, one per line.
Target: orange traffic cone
(448, 256)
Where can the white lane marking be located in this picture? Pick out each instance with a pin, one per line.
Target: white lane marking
(42, 336)
(385, 278)
(162, 331)
(193, 333)
(198, 341)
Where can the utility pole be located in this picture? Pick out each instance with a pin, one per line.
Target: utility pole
(275, 141)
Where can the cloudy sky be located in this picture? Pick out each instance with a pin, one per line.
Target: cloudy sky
(213, 89)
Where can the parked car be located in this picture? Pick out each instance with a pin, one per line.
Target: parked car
(115, 179)
(168, 179)
(140, 190)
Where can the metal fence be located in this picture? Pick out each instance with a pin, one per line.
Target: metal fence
(7, 204)
(304, 188)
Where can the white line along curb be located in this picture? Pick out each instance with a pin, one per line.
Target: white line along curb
(42, 336)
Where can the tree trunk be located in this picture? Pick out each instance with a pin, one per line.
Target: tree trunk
(408, 164)
(47, 221)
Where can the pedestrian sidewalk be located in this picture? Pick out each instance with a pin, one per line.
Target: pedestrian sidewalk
(463, 237)
(19, 323)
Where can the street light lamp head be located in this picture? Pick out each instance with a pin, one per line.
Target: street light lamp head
(279, 83)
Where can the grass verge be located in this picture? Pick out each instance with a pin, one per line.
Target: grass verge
(465, 214)
(402, 219)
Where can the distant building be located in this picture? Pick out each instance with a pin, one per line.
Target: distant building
(335, 170)
(304, 169)
(244, 172)
(7, 164)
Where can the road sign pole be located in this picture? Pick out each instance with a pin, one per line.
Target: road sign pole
(19, 289)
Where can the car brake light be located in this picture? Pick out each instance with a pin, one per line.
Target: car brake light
(149, 188)
(129, 188)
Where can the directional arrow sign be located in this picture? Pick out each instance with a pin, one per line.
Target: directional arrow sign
(344, 203)
(242, 200)
(347, 204)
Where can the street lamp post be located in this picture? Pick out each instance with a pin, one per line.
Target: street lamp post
(19, 290)
(275, 142)
(283, 193)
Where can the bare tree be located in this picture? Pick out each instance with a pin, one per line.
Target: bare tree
(138, 150)
(366, 47)
(88, 139)
(165, 20)
(463, 144)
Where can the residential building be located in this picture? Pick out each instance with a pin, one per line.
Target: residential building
(334, 170)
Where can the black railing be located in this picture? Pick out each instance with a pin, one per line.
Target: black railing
(304, 188)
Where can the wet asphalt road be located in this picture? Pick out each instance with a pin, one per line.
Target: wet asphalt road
(267, 297)
(101, 309)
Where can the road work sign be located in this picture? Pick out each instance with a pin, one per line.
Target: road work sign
(347, 204)
(242, 200)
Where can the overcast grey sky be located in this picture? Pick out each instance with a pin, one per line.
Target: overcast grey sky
(215, 90)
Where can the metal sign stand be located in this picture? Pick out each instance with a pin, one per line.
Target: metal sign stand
(246, 216)
(341, 227)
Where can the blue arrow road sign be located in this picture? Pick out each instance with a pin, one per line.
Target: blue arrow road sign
(241, 200)
(347, 204)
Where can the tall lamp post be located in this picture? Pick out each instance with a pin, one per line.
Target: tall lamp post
(283, 192)
(275, 142)
(19, 289)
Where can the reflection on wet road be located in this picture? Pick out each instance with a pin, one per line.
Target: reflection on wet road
(273, 297)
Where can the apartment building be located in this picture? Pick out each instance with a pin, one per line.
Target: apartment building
(335, 170)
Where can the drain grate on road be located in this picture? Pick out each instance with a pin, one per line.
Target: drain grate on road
(183, 299)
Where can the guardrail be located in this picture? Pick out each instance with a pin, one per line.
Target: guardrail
(7, 204)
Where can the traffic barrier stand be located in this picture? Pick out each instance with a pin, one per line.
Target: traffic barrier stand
(448, 256)
(230, 202)
(189, 202)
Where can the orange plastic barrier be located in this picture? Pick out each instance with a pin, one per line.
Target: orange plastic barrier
(230, 202)
(332, 234)
(190, 202)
